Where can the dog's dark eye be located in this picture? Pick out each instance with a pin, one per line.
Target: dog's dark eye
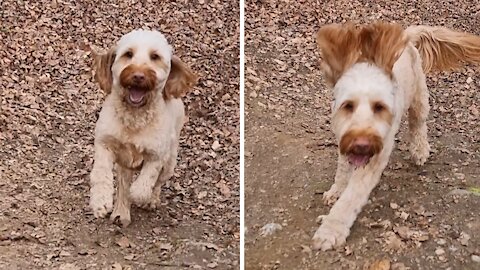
(348, 106)
(154, 56)
(128, 54)
(378, 107)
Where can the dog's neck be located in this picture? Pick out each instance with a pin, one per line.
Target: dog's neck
(134, 119)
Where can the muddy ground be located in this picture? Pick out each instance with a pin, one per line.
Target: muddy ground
(49, 106)
(412, 220)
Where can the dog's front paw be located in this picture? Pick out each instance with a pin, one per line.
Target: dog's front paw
(153, 204)
(140, 193)
(329, 237)
(421, 155)
(331, 196)
(122, 214)
(420, 150)
(101, 202)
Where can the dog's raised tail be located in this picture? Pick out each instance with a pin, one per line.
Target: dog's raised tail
(444, 49)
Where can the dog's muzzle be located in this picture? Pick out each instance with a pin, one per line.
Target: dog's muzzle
(138, 81)
(359, 146)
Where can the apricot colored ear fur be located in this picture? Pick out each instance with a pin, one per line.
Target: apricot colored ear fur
(103, 69)
(180, 80)
(341, 46)
(382, 44)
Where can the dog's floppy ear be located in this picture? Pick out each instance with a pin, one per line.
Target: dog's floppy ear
(339, 48)
(102, 64)
(180, 80)
(382, 44)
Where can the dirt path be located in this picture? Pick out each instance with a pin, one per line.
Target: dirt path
(410, 220)
(49, 106)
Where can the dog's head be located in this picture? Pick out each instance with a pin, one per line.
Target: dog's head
(358, 62)
(140, 67)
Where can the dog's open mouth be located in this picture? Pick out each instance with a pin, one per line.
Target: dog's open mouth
(358, 160)
(136, 96)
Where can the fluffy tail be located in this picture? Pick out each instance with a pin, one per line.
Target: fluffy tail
(444, 49)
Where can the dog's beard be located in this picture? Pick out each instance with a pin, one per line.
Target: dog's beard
(360, 146)
(138, 84)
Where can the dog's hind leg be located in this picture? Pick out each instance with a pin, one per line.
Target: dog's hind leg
(121, 210)
(417, 123)
(344, 170)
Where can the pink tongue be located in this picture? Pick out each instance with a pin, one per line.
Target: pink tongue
(358, 160)
(136, 95)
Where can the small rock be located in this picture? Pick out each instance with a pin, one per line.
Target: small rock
(216, 145)
(439, 251)
(459, 192)
(460, 176)
(441, 241)
(464, 238)
(348, 250)
(270, 228)
(476, 258)
(64, 253)
(116, 266)
(212, 265)
(129, 257)
(469, 80)
(393, 206)
(404, 216)
(253, 94)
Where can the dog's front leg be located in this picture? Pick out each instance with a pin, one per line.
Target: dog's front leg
(141, 190)
(336, 225)
(101, 182)
(344, 172)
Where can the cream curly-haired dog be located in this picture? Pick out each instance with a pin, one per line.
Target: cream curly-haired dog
(139, 124)
(377, 77)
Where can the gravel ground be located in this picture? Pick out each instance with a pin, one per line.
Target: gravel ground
(49, 106)
(417, 217)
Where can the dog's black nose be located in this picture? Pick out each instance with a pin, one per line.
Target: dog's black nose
(138, 77)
